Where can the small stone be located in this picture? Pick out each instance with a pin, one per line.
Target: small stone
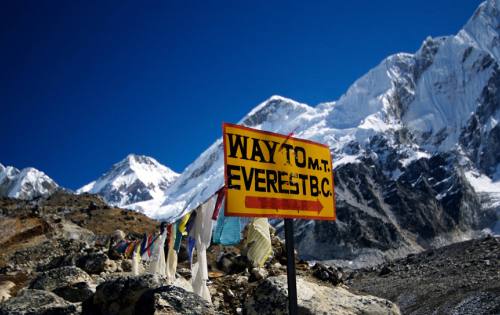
(257, 274)
(212, 290)
(241, 280)
(5, 290)
(94, 263)
(385, 271)
(239, 310)
(110, 266)
(127, 265)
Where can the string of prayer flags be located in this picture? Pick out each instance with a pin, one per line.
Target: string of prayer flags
(183, 222)
(136, 260)
(129, 250)
(202, 232)
(220, 197)
(158, 264)
(191, 243)
(169, 233)
(190, 222)
(172, 254)
(146, 254)
(144, 243)
(227, 231)
(258, 241)
(121, 247)
(178, 240)
(150, 243)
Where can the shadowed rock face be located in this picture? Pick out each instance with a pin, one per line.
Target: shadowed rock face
(431, 198)
(119, 296)
(142, 295)
(172, 300)
(481, 138)
(59, 277)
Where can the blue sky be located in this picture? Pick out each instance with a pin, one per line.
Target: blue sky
(85, 83)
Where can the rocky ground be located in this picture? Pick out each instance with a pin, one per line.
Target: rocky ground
(463, 278)
(56, 260)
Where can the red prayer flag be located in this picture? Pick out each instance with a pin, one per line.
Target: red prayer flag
(220, 196)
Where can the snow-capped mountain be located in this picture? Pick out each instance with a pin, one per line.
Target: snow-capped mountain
(416, 148)
(133, 182)
(27, 183)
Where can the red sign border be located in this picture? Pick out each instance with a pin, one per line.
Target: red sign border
(254, 215)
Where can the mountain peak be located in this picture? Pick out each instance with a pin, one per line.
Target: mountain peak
(27, 183)
(134, 179)
(132, 157)
(482, 28)
(272, 111)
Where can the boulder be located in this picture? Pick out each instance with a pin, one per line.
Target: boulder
(61, 261)
(59, 277)
(271, 297)
(119, 295)
(94, 263)
(76, 292)
(232, 263)
(37, 302)
(172, 300)
(72, 231)
(328, 273)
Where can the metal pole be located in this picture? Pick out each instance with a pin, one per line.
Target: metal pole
(290, 268)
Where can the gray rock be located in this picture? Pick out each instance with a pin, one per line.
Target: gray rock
(328, 273)
(257, 274)
(172, 300)
(127, 265)
(37, 302)
(110, 266)
(77, 292)
(271, 297)
(5, 290)
(61, 261)
(232, 263)
(72, 231)
(93, 263)
(119, 295)
(59, 277)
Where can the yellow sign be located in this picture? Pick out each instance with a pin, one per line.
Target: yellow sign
(272, 175)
